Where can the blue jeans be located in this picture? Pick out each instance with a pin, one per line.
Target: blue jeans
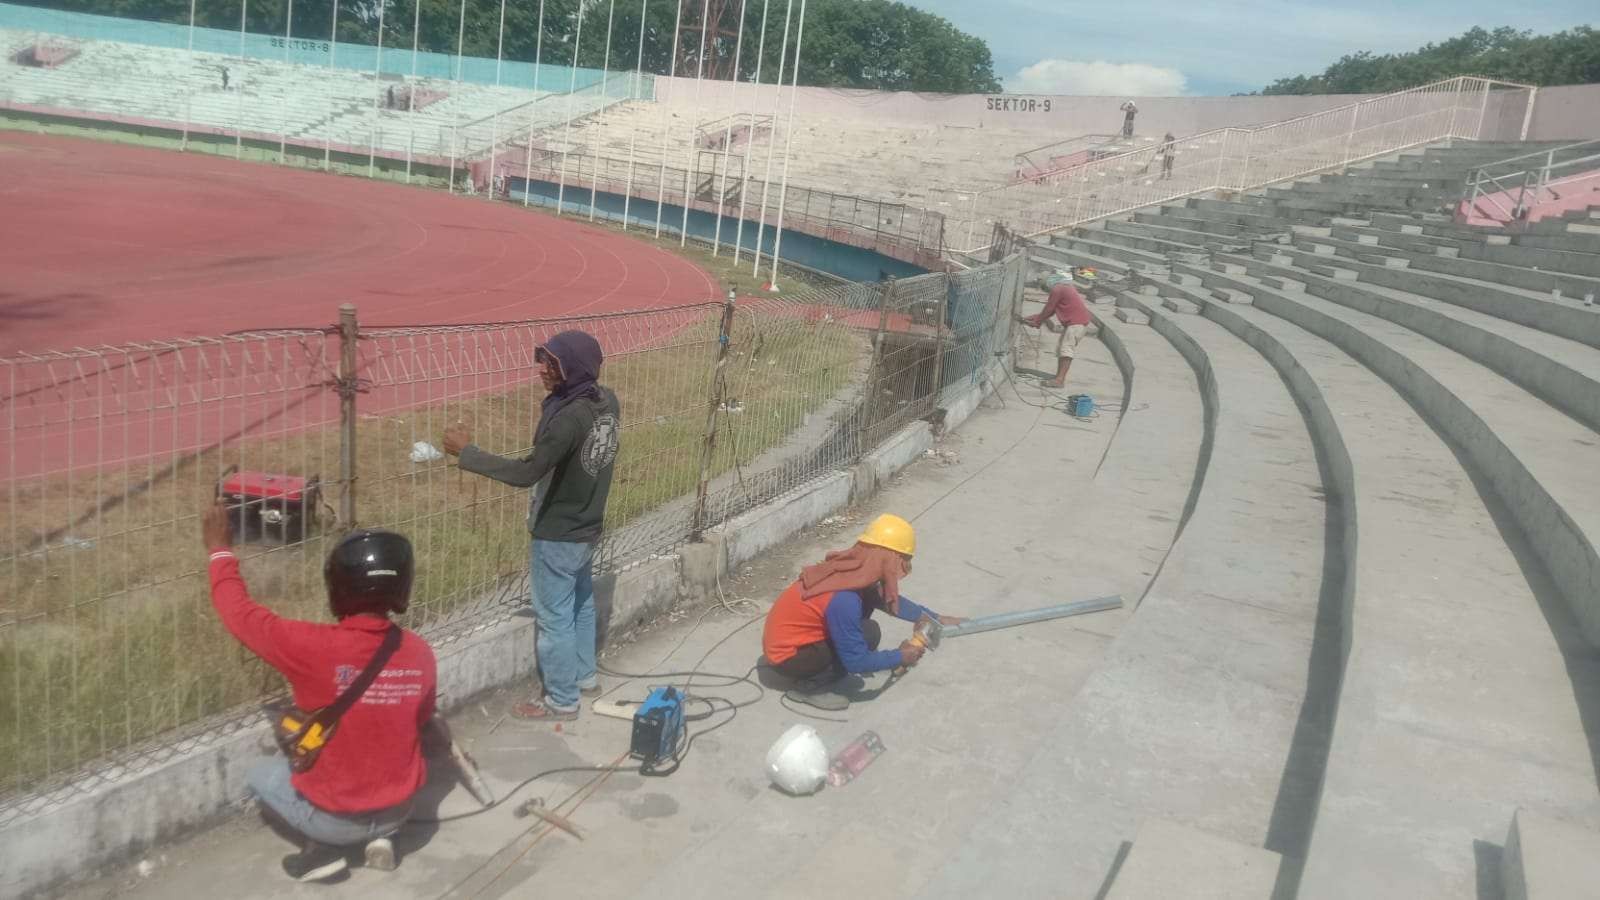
(270, 781)
(563, 602)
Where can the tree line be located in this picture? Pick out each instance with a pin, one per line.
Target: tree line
(876, 44)
(1506, 54)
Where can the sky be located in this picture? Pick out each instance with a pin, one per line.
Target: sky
(1216, 47)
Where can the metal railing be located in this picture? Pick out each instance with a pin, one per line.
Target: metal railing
(720, 187)
(1236, 159)
(1064, 154)
(110, 655)
(1508, 189)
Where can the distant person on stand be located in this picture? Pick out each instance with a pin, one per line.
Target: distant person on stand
(365, 683)
(1067, 305)
(1129, 110)
(224, 77)
(574, 448)
(1168, 152)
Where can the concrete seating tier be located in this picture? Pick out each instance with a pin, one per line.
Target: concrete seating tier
(1446, 381)
(304, 104)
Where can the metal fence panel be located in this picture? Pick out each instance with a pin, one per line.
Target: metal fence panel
(110, 656)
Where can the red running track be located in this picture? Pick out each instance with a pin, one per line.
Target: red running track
(103, 244)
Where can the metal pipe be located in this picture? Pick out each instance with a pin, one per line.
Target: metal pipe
(1029, 616)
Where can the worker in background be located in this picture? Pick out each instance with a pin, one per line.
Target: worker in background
(1168, 152)
(574, 449)
(358, 790)
(1067, 305)
(821, 630)
(1129, 110)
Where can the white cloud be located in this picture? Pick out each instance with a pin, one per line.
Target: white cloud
(1097, 78)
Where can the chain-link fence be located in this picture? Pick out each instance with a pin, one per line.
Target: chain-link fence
(110, 657)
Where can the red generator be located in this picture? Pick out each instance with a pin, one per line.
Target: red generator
(268, 506)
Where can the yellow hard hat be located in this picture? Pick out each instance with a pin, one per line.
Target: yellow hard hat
(892, 532)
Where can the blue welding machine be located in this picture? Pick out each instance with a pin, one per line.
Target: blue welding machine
(1081, 405)
(658, 726)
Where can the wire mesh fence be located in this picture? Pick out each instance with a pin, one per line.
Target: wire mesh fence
(110, 657)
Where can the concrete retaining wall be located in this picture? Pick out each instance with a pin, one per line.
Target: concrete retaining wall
(1056, 117)
(77, 831)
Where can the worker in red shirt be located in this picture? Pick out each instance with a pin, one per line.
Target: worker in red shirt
(358, 791)
(1069, 309)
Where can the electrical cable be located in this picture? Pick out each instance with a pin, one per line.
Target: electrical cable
(783, 700)
(439, 820)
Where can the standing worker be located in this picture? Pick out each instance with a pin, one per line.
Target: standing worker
(1129, 110)
(377, 678)
(1069, 309)
(821, 630)
(574, 449)
(1168, 152)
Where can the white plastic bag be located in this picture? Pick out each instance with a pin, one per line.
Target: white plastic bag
(422, 452)
(798, 762)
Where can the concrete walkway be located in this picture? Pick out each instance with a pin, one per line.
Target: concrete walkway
(959, 728)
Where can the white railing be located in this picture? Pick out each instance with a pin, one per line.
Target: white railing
(1236, 159)
(1530, 179)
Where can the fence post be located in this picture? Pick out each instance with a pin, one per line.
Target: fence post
(1350, 134)
(348, 332)
(871, 405)
(709, 443)
(939, 325)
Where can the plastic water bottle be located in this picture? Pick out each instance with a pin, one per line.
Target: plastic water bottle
(855, 757)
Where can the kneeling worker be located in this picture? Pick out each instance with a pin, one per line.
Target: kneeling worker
(378, 679)
(821, 627)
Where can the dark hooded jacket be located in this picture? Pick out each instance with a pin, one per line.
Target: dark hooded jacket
(574, 448)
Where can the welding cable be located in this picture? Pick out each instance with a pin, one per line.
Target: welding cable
(783, 700)
(439, 820)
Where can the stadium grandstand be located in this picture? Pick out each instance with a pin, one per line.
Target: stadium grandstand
(1333, 441)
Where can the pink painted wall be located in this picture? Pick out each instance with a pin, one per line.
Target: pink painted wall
(1560, 113)
(1051, 115)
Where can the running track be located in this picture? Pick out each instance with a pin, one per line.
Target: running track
(103, 244)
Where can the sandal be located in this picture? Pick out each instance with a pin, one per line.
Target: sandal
(542, 710)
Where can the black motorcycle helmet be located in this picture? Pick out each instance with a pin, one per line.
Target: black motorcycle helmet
(369, 572)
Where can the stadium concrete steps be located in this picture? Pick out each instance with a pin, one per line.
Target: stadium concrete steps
(304, 103)
(1459, 399)
(1556, 388)
(1194, 713)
